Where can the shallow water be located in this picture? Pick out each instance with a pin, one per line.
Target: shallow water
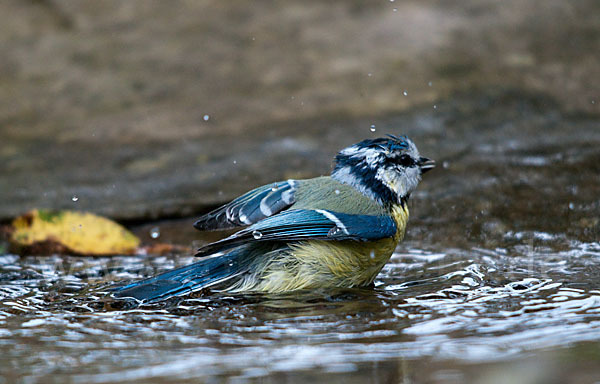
(497, 281)
(433, 315)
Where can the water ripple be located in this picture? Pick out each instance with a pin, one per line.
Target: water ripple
(460, 304)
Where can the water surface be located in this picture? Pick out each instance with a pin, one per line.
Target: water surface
(433, 315)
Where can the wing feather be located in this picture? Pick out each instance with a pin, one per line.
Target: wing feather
(301, 224)
(251, 207)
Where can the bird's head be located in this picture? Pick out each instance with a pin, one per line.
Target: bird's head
(386, 169)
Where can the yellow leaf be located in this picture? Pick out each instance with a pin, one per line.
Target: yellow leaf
(75, 232)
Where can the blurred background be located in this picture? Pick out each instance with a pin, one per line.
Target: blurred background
(148, 109)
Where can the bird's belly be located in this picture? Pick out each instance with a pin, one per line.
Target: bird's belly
(321, 264)
(342, 264)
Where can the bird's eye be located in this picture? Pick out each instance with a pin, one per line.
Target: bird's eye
(406, 161)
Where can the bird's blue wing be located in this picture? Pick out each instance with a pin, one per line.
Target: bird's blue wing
(251, 207)
(301, 224)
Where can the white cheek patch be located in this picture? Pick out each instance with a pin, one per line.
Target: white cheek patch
(401, 183)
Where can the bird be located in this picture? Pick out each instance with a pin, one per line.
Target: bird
(334, 231)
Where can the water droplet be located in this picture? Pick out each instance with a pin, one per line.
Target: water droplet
(369, 74)
(395, 9)
(155, 233)
(372, 254)
(74, 198)
(445, 164)
(206, 117)
(405, 93)
(571, 206)
(435, 107)
(373, 128)
(337, 191)
(234, 161)
(257, 235)
(430, 83)
(391, 1)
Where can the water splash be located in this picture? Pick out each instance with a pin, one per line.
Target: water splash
(155, 232)
(470, 305)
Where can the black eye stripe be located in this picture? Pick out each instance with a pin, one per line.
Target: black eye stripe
(406, 161)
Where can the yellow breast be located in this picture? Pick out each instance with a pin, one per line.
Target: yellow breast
(321, 264)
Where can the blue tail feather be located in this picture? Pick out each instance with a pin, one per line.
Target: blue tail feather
(187, 279)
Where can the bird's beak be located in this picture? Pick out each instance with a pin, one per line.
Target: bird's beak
(426, 164)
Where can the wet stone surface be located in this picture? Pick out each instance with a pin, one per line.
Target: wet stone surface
(145, 110)
(514, 140)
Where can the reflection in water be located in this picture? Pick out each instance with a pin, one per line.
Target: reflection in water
(467, 306)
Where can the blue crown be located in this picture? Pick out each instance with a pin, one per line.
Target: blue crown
(391, 143)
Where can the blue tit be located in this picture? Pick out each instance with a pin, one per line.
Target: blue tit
(325, 232)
